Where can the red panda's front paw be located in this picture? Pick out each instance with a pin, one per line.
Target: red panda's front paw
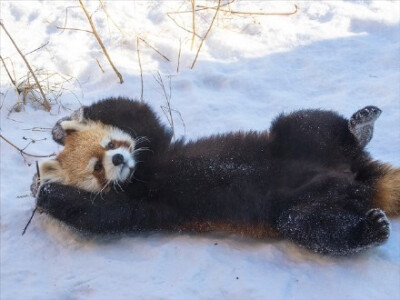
(35, 185)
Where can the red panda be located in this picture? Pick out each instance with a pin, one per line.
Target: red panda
(308, 178)
(95, 157)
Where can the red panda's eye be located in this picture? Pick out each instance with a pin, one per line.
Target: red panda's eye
(110, 146)
(98, 166)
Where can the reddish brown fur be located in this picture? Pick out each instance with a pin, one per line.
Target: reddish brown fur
(119, 144)
(76, 155)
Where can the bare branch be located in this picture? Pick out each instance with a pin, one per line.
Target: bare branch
(121, 80)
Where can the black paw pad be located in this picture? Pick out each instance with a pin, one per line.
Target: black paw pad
(378, 225)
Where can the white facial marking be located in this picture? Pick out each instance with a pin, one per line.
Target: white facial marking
(104, 142)
(117, 134)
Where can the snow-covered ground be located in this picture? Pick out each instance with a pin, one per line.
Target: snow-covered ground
(330, 54)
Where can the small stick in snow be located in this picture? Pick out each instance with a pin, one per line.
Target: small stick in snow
(94, 31)
(208, 31)
(29, 221)
(45, 103)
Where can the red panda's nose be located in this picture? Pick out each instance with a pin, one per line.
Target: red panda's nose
(117, 159)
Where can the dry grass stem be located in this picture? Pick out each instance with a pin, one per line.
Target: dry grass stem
(254, 13)
(140, 67)
(38, 48)
(207, 32)
(98, 63)
(193, 23)
(200, 8)
(52, 83)
(162, 55)
(8, 73)
(179, 56)
(103, 7)
(41, 129)
(44, 101)
(121, 80)
(181, 27)
(76, 29)
(18, 106)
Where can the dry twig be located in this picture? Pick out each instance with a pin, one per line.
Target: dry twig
(94, 31)
(45, 103)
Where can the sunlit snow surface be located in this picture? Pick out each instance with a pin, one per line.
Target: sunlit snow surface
(331, 55)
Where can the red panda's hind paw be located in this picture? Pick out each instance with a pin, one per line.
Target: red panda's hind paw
(377, 226)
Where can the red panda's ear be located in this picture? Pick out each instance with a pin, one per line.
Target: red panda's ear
(51, 171)
(70, 126)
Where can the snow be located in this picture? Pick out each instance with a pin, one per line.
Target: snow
(330, 55)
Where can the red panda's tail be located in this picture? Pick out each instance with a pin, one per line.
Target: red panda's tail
(388, 190)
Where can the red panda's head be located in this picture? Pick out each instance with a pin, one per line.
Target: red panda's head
(95, 156)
